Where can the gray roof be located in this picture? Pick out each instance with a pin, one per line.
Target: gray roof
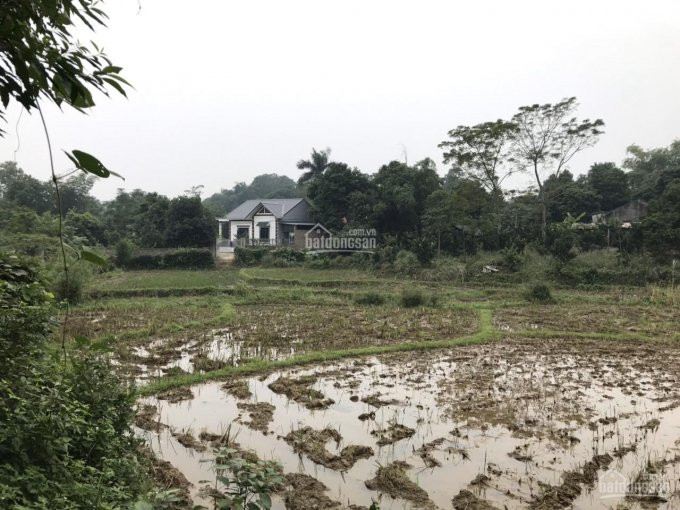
(279, 207)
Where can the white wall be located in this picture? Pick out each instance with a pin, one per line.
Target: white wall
(258, 218)
(234, 225)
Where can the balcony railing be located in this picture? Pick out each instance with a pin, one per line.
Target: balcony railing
(244, 242)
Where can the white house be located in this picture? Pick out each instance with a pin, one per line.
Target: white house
(266, 221)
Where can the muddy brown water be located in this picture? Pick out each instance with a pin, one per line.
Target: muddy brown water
(525, 415)
(219, 346)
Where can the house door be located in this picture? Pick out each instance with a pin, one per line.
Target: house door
(242, 235)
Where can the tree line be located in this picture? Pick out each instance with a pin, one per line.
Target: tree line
(411, 206)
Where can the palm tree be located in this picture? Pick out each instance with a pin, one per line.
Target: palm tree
(314, 165)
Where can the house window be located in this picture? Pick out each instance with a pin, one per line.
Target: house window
(242, 232)
(264, 232)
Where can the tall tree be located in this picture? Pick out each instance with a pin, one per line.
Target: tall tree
(315, 165)
(650, 171)
(610, 184)
(189, 224)
(438, 217)
(332, 193)
(547, 137)
(481, 153)
(17, 188)
(402, 192)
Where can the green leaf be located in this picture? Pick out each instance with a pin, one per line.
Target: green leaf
(265, 501)
(93, 258)
(88, 163)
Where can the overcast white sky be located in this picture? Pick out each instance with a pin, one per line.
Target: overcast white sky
(226, 90)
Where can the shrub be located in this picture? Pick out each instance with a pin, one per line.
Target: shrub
(288, 254)
(145, 262)
(189, 258)
(370, 298)
(512, 259)
(78, 275)
(539, 293)
(66, 437)
(245, 483)
(124, 250)
(246, 257)
(406, 262)
(318, 262)
(410, 298)
(424, 250)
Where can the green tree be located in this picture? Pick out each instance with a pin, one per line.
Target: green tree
(547, 137)
(568, 196)
(332, 194)
(610, 184)
(315, 165)
(86, 227)
(262, 186)
(189, 224)
(650, 171)
(401, 194)
(19, 189)
(481, 153)
(662, 226)
(438, 216)
(151, 221)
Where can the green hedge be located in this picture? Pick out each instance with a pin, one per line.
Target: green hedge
(263, 255)
(190, 258)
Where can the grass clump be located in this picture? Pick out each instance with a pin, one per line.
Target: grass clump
(539, 293)
(370, 298)
(411, 298)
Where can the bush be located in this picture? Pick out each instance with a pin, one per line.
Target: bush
(246, 257)
(539, 293)
(283, 257)
(145, 262)
(370, 298)
(78, 274)
(189, 258)
(66, 436)
(410, 298)
(610, 267)
(512, 259)
(406, 262)
(124, 250)
(318, 262)
(424, 250)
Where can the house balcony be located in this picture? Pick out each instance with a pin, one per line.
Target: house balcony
(228, 245)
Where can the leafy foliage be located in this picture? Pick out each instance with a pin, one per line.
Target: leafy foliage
(246, 484)
(41, 58)
(190, 258)
(314, 166)
(65, 436)
(480, 153)
(539, 293)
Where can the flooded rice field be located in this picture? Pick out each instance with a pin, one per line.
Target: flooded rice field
(273, 332)
(512, 424)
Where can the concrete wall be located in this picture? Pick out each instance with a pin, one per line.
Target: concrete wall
(268, 218)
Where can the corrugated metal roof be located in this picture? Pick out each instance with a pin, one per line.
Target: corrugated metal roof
(277, 206)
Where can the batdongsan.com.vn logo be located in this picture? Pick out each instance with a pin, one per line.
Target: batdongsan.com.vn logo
(615, 485)
(320, 239)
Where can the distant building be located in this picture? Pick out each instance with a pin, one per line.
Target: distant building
(625, 215)
(266, 221)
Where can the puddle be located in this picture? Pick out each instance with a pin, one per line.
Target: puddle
(518, 425)
(216, 348)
